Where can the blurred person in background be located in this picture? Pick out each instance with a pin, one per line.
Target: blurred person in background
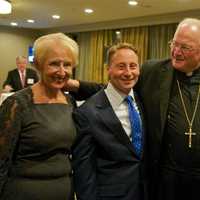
(20, 77)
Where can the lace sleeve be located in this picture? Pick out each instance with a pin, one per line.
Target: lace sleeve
(9, 132)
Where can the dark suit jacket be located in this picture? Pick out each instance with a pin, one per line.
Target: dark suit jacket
(154, 88)
(104, 161)
(13, 79)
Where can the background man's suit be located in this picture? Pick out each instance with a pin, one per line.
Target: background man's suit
(13, 79)
(120, 174)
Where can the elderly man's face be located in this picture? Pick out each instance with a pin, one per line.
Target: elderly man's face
(185, 49)
(21, 63)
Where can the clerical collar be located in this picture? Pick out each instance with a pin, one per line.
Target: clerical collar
(189, 74)
(192, 77)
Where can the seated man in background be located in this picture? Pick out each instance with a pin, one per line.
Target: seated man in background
(20, 77)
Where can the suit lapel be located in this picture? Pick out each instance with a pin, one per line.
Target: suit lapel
(26, 77)
(166, 79)
(18, 79)
(111, 121)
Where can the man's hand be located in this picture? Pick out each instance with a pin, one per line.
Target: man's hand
(72, 85)
(7, 88)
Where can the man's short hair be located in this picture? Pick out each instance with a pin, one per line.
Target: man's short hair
(114, 48)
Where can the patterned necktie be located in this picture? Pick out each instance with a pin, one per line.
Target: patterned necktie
(136, 125)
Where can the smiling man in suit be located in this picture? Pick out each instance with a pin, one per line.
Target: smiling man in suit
(170, 92)
(20, 77)
(109, 150)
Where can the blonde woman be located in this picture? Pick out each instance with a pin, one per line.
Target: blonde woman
(36, 128)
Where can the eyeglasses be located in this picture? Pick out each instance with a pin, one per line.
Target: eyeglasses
(183, 47)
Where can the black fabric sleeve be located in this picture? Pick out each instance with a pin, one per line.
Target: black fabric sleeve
(10, 126)
(86, 90)
(84, 159)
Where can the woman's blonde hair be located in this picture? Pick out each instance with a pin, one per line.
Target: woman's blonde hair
(43, 44)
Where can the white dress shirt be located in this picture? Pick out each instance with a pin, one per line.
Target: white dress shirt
(120, 106)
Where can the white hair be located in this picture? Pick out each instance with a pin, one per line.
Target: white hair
(42, 45)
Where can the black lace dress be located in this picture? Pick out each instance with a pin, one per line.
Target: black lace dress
(35, 142)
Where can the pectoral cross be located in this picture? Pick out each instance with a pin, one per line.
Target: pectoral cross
(190, 134)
